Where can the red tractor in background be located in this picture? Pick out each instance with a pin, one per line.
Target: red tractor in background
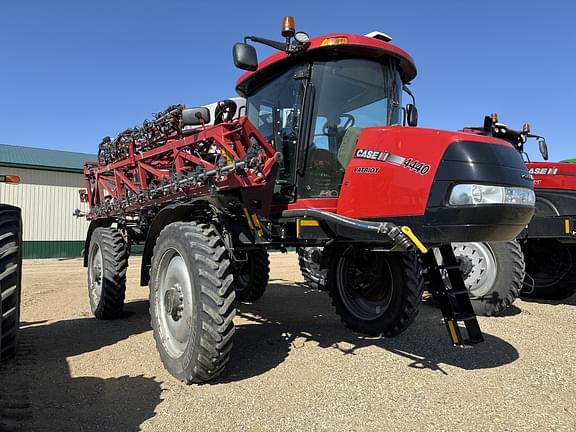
(549, 241)
(319, 157)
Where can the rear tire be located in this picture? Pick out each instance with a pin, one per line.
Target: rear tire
(493, 274)
(309, 260)
(107, 267)
(10, 279)
(550, 268)
(251, 277)
(192, 301)
(376, 293)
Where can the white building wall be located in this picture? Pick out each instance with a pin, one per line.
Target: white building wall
(47, 200)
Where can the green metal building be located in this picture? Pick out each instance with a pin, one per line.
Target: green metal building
(47, 195)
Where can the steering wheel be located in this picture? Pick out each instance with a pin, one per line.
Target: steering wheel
(225, 110)
(330, 129)
(349, 122)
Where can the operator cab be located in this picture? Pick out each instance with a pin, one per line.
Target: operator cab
(312, 102)
(332, 101)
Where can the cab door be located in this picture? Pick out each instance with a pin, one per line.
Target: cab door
(276, 110)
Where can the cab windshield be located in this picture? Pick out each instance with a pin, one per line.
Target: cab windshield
(351, 94)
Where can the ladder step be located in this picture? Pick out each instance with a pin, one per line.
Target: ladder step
(453, 298)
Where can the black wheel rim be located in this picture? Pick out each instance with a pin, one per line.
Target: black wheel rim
(365, 284)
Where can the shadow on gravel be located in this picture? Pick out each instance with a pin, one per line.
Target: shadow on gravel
(571, 301)
(39, 378)
(290, 315)
(511, 311)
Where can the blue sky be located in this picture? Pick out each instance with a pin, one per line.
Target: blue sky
(73, 71)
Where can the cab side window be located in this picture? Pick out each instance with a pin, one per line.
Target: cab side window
(275, 109)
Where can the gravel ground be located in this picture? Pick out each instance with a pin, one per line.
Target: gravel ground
(294, 367)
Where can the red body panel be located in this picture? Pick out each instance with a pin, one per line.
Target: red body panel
(326, 204)
(396, 190)
(553, 175)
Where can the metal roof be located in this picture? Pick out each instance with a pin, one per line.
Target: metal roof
(42, 159)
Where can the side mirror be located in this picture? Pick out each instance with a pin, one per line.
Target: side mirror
(411, 115)
(245, 57)
(195, 116)
(543, 149)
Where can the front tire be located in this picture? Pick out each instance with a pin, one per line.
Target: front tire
(376, 293)
(251, 277)
(192, 301)
(493, 274)
(107, 267)
(550, 269)
(10, 278)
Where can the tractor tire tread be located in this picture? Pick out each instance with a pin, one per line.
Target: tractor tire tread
(10, 279)
(217, 297)
(258, 278)
(414, 286)
(115, 266)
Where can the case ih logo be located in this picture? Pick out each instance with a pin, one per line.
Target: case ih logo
(371, 154)
(408, 163)
(545, 171)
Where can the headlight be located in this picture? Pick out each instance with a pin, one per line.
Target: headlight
(473, 194)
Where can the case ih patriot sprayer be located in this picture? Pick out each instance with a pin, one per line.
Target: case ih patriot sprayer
(319, 157)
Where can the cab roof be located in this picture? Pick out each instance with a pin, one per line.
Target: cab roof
(356, 45)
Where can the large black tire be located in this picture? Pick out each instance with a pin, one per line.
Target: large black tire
(309, 260)
(251, 277)
(550, 269)
(493, 273)
(107, 267)
(192, 301)
(376, 293)
(10, 278)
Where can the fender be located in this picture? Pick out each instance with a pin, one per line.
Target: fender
(545, 207)
(169, 214)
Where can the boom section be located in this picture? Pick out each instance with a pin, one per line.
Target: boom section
(185, 165)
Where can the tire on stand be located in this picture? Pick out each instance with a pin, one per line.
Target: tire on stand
(493, 273)
(550, 269)
(376, 293)
(251, 276)
(309, 260)
(10, 279)
(192, 301)
(107, 267)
